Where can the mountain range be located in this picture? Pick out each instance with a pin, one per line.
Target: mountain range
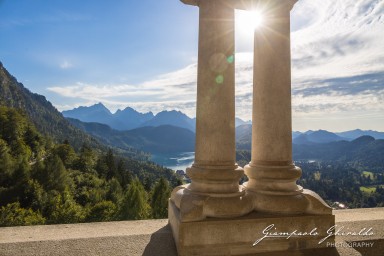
(50, 122)
(113, 129)
(126, 119)
(129, 118)
(244, 136)
(168, 131)
(153, 139)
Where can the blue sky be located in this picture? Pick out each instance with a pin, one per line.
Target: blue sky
(143, 54)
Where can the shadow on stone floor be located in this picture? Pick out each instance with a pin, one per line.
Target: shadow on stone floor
(161, 243)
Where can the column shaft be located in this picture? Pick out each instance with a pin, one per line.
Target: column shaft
(272, 175)
(272, 128)
(214, 190)
(214, 170)
(215, 114)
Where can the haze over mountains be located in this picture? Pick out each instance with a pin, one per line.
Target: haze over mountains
(173, 131)
(153, 139)
(168, 131)
(244, 135)
(129, 118)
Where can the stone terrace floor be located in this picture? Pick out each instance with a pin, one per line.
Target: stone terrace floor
(154, 237)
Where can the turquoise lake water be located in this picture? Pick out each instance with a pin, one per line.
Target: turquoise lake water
(174, 161)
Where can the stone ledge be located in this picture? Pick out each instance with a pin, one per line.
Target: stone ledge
(153, 237)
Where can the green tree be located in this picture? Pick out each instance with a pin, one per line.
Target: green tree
(111, 166)
(14, 215)
(6, 165)
(34, 141)
(159, 201)
(86, 160)
(88, 188)
(66, 153)
(36, 195)
(55, 174)
(20, 178)
(102, 211)
(115, 192)
(63, 209)
(134, 205)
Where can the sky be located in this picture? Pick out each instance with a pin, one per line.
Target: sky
(143, 54)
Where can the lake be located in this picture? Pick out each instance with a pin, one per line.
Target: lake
(174, 161)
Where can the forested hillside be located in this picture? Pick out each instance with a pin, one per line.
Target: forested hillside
(45, 182)
(42, 114)
(160, 139)
(346, 173)
(52, 172)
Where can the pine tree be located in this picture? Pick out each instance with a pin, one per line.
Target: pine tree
(86, 160)
(134, 205)
(111, 166)
(102, 211)
(20, 179)
(14, 215)
(56, 176)
(115, 192)
(63, 209)
(160, 195)
(6, 165)
(66, 153)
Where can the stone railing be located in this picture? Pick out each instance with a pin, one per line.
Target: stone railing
(154, 237)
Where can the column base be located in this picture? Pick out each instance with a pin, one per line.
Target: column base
(194, 206)
(274, 190)
(244, 235)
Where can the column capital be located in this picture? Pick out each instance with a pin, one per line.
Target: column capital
(246, 4)
(256, 4)
(191, 2)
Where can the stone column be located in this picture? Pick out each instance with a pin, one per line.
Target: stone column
(214, 174)
(271, 172)
(235, 221)
(215, 107)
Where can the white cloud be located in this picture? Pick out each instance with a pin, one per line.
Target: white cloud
(331, 39)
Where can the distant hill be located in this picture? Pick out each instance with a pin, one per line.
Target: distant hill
(244, 136)
(320, 136)
(129, 118)
(364, 149)
(51, 123)
(47, 119)
(175, 118)
(244, 132)
(365, 152)
(126, 119)
(354, 134)
(296, 134)
(239, 122)
(159, 139)
(94, 113)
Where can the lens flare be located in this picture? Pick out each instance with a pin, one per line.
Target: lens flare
(249, 20)
(219, 79)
